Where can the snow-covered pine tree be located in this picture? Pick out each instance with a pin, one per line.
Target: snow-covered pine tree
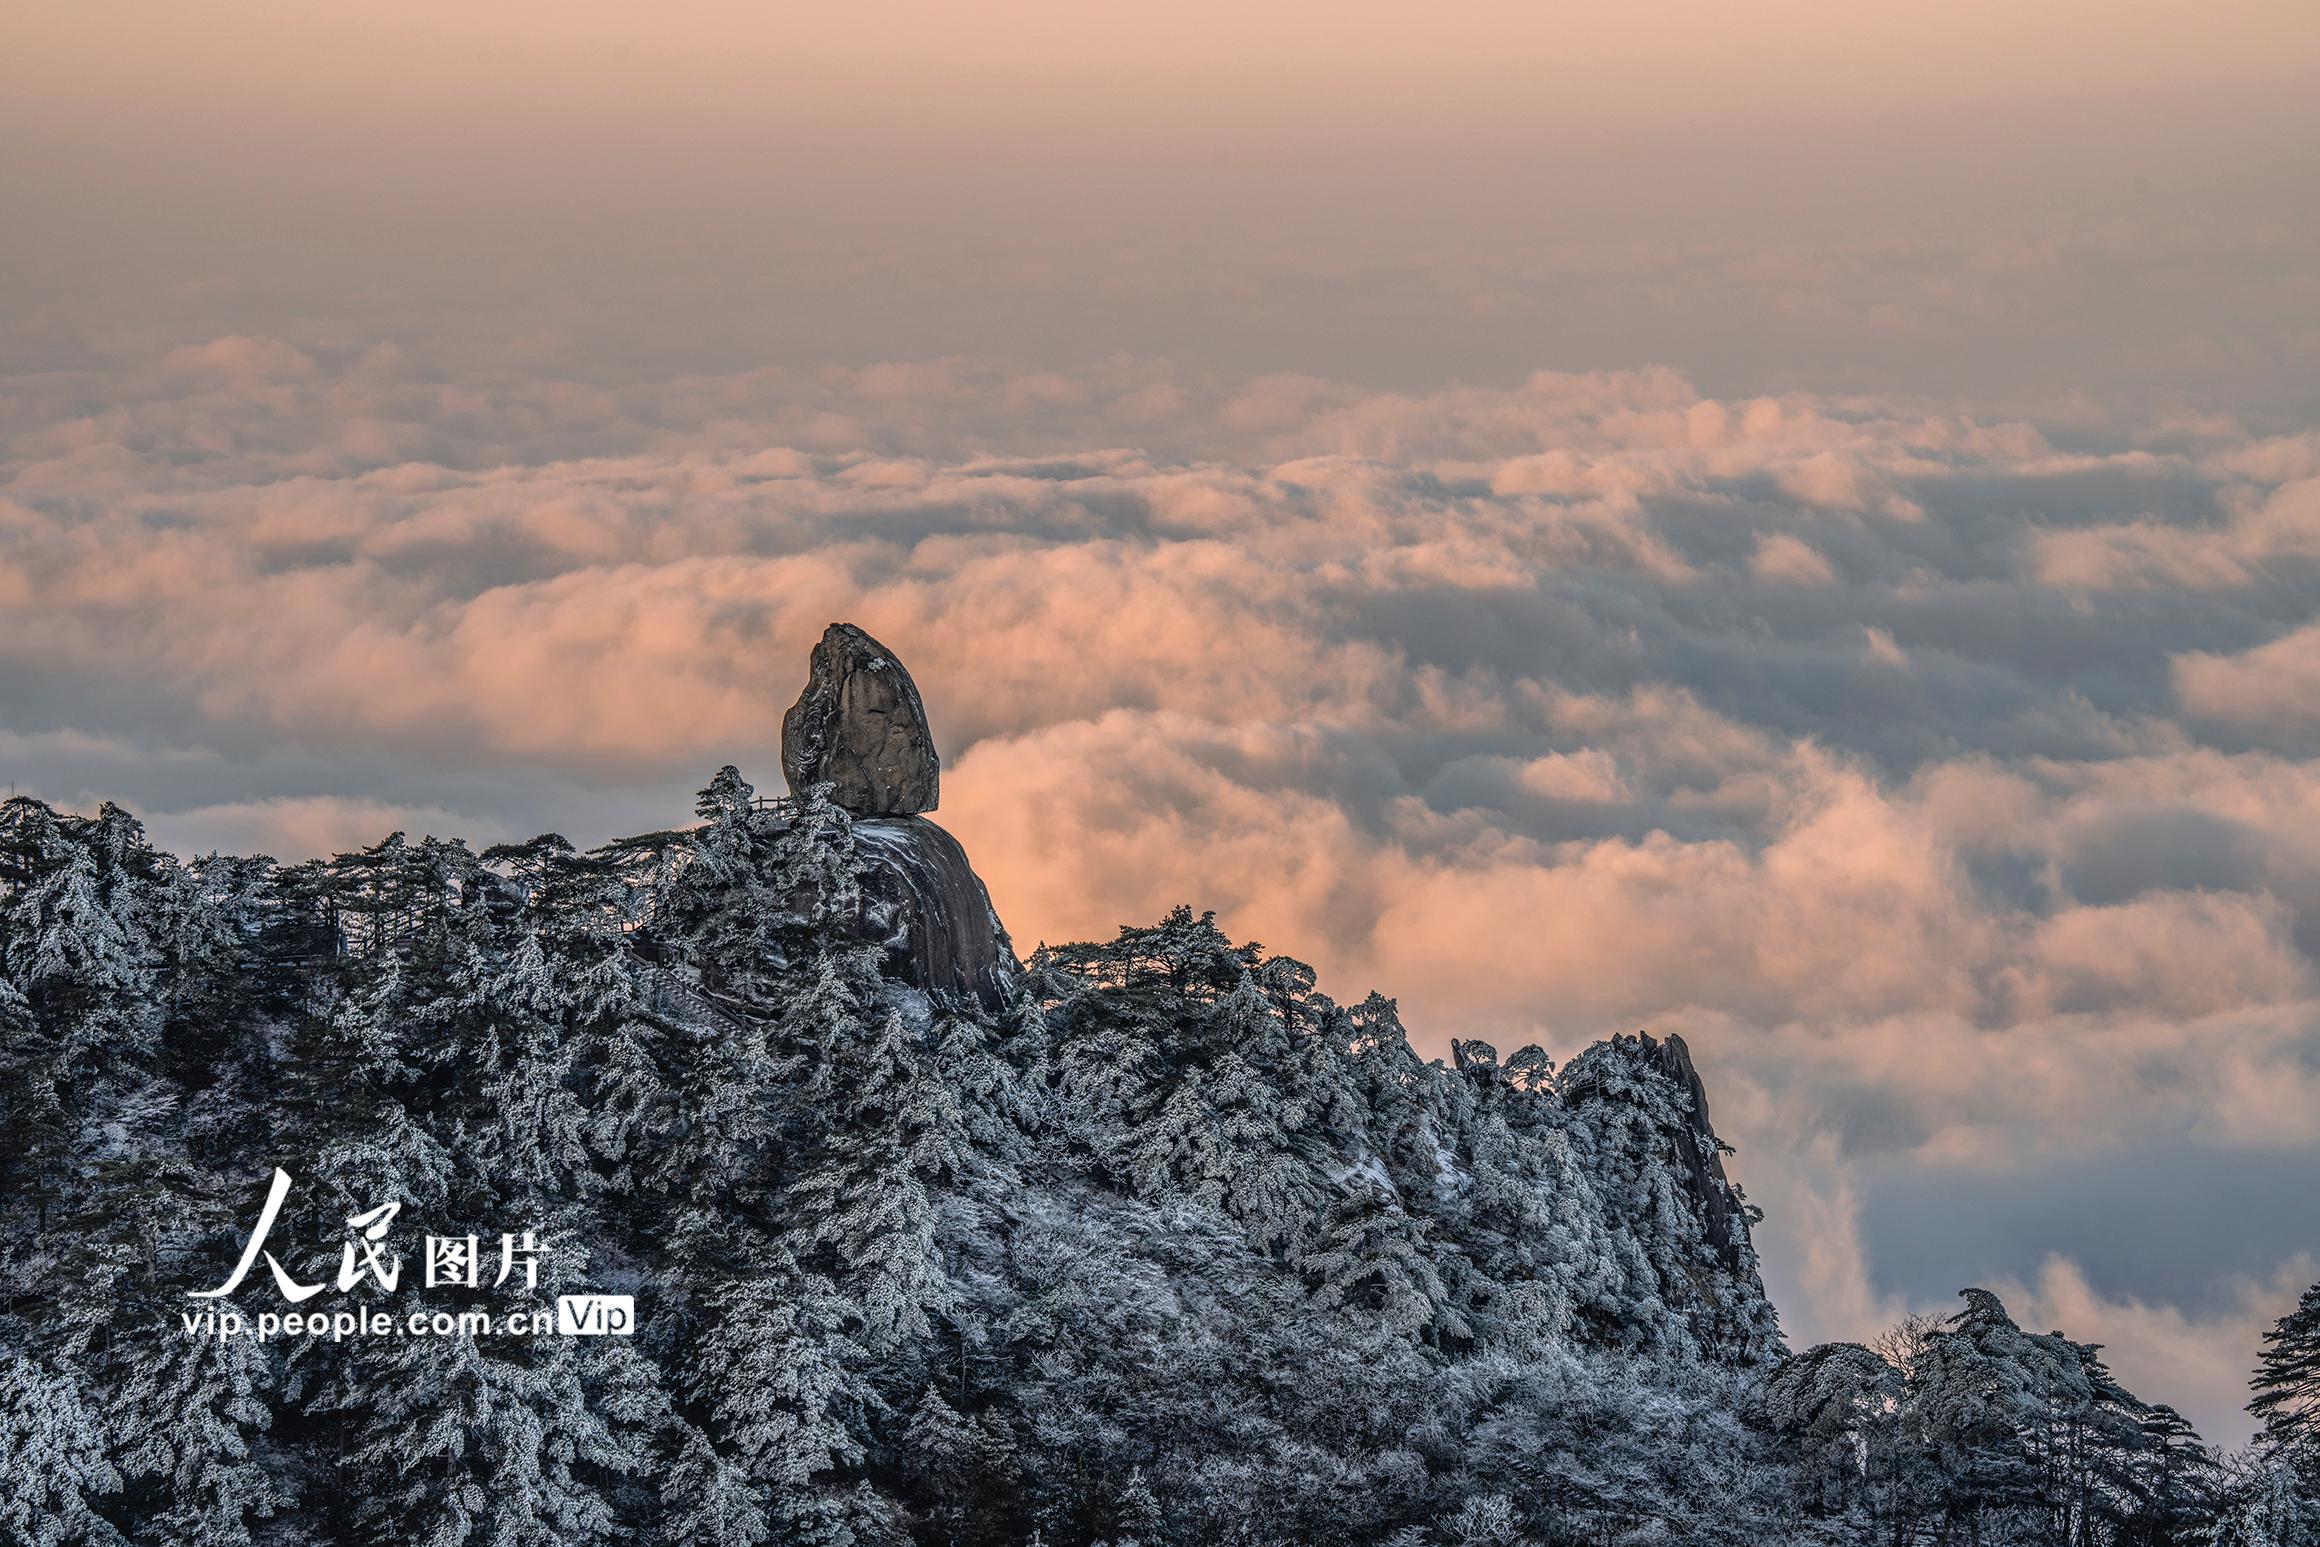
(450, 1439)
(2031, 1428)
(1136, 1517)
(1646, 1150)
(863, 1210)
(960, 1477)
(780, 1378)
(53, 1454)
(1530, 1221)
(2265, 1508)
(2287, 1392)
(187, 1414)
(708, 1500)
(1372, 1261)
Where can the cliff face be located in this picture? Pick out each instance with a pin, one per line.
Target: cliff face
(934, 914)
(1699, 1154)
(1642, 1104)
(860, 727)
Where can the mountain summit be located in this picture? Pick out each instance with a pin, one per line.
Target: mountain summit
(860, 728)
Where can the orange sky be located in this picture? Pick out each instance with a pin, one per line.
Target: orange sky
(592, 58)
(1982, 197)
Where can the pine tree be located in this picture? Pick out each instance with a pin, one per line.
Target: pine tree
(960, 1472)
(2287, 1387)
(1835, 1403)
(708, 1501)
(2034, 1425)
(2176, 1485)
(1486, 1520)
(1651, 1166)
(537, 1138)
(865, 1206)
(442, 1439)
(71, 949)
(36, 1163)
(2266, 1509)
(1371, 1259)
(780, 1375)
(1136, 1519)
(1531, 1220)
(52, 1453)
(1227, 1139)
(186, 1413)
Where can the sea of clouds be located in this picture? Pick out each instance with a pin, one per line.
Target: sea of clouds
(1947, 778)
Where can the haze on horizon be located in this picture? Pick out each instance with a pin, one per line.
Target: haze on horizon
(2024, 204)
(1797, 524)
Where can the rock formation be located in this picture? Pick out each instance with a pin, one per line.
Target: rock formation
(925, 903)
(1697, 1154)
(859, 726)
(1700, 1154)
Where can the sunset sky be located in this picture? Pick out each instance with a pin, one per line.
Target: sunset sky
(1793, 523)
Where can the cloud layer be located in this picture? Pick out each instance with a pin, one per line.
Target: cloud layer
(1948, 778)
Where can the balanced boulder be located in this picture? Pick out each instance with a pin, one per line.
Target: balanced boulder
(859, 726)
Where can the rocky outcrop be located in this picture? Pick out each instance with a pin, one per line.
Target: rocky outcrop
(925, 904)
(1642, 1074)
(1700, 1154)
(1644, 1113)
(1690, 1140)
(860, 727)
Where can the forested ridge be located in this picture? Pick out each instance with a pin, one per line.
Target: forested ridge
(1164, 1246)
